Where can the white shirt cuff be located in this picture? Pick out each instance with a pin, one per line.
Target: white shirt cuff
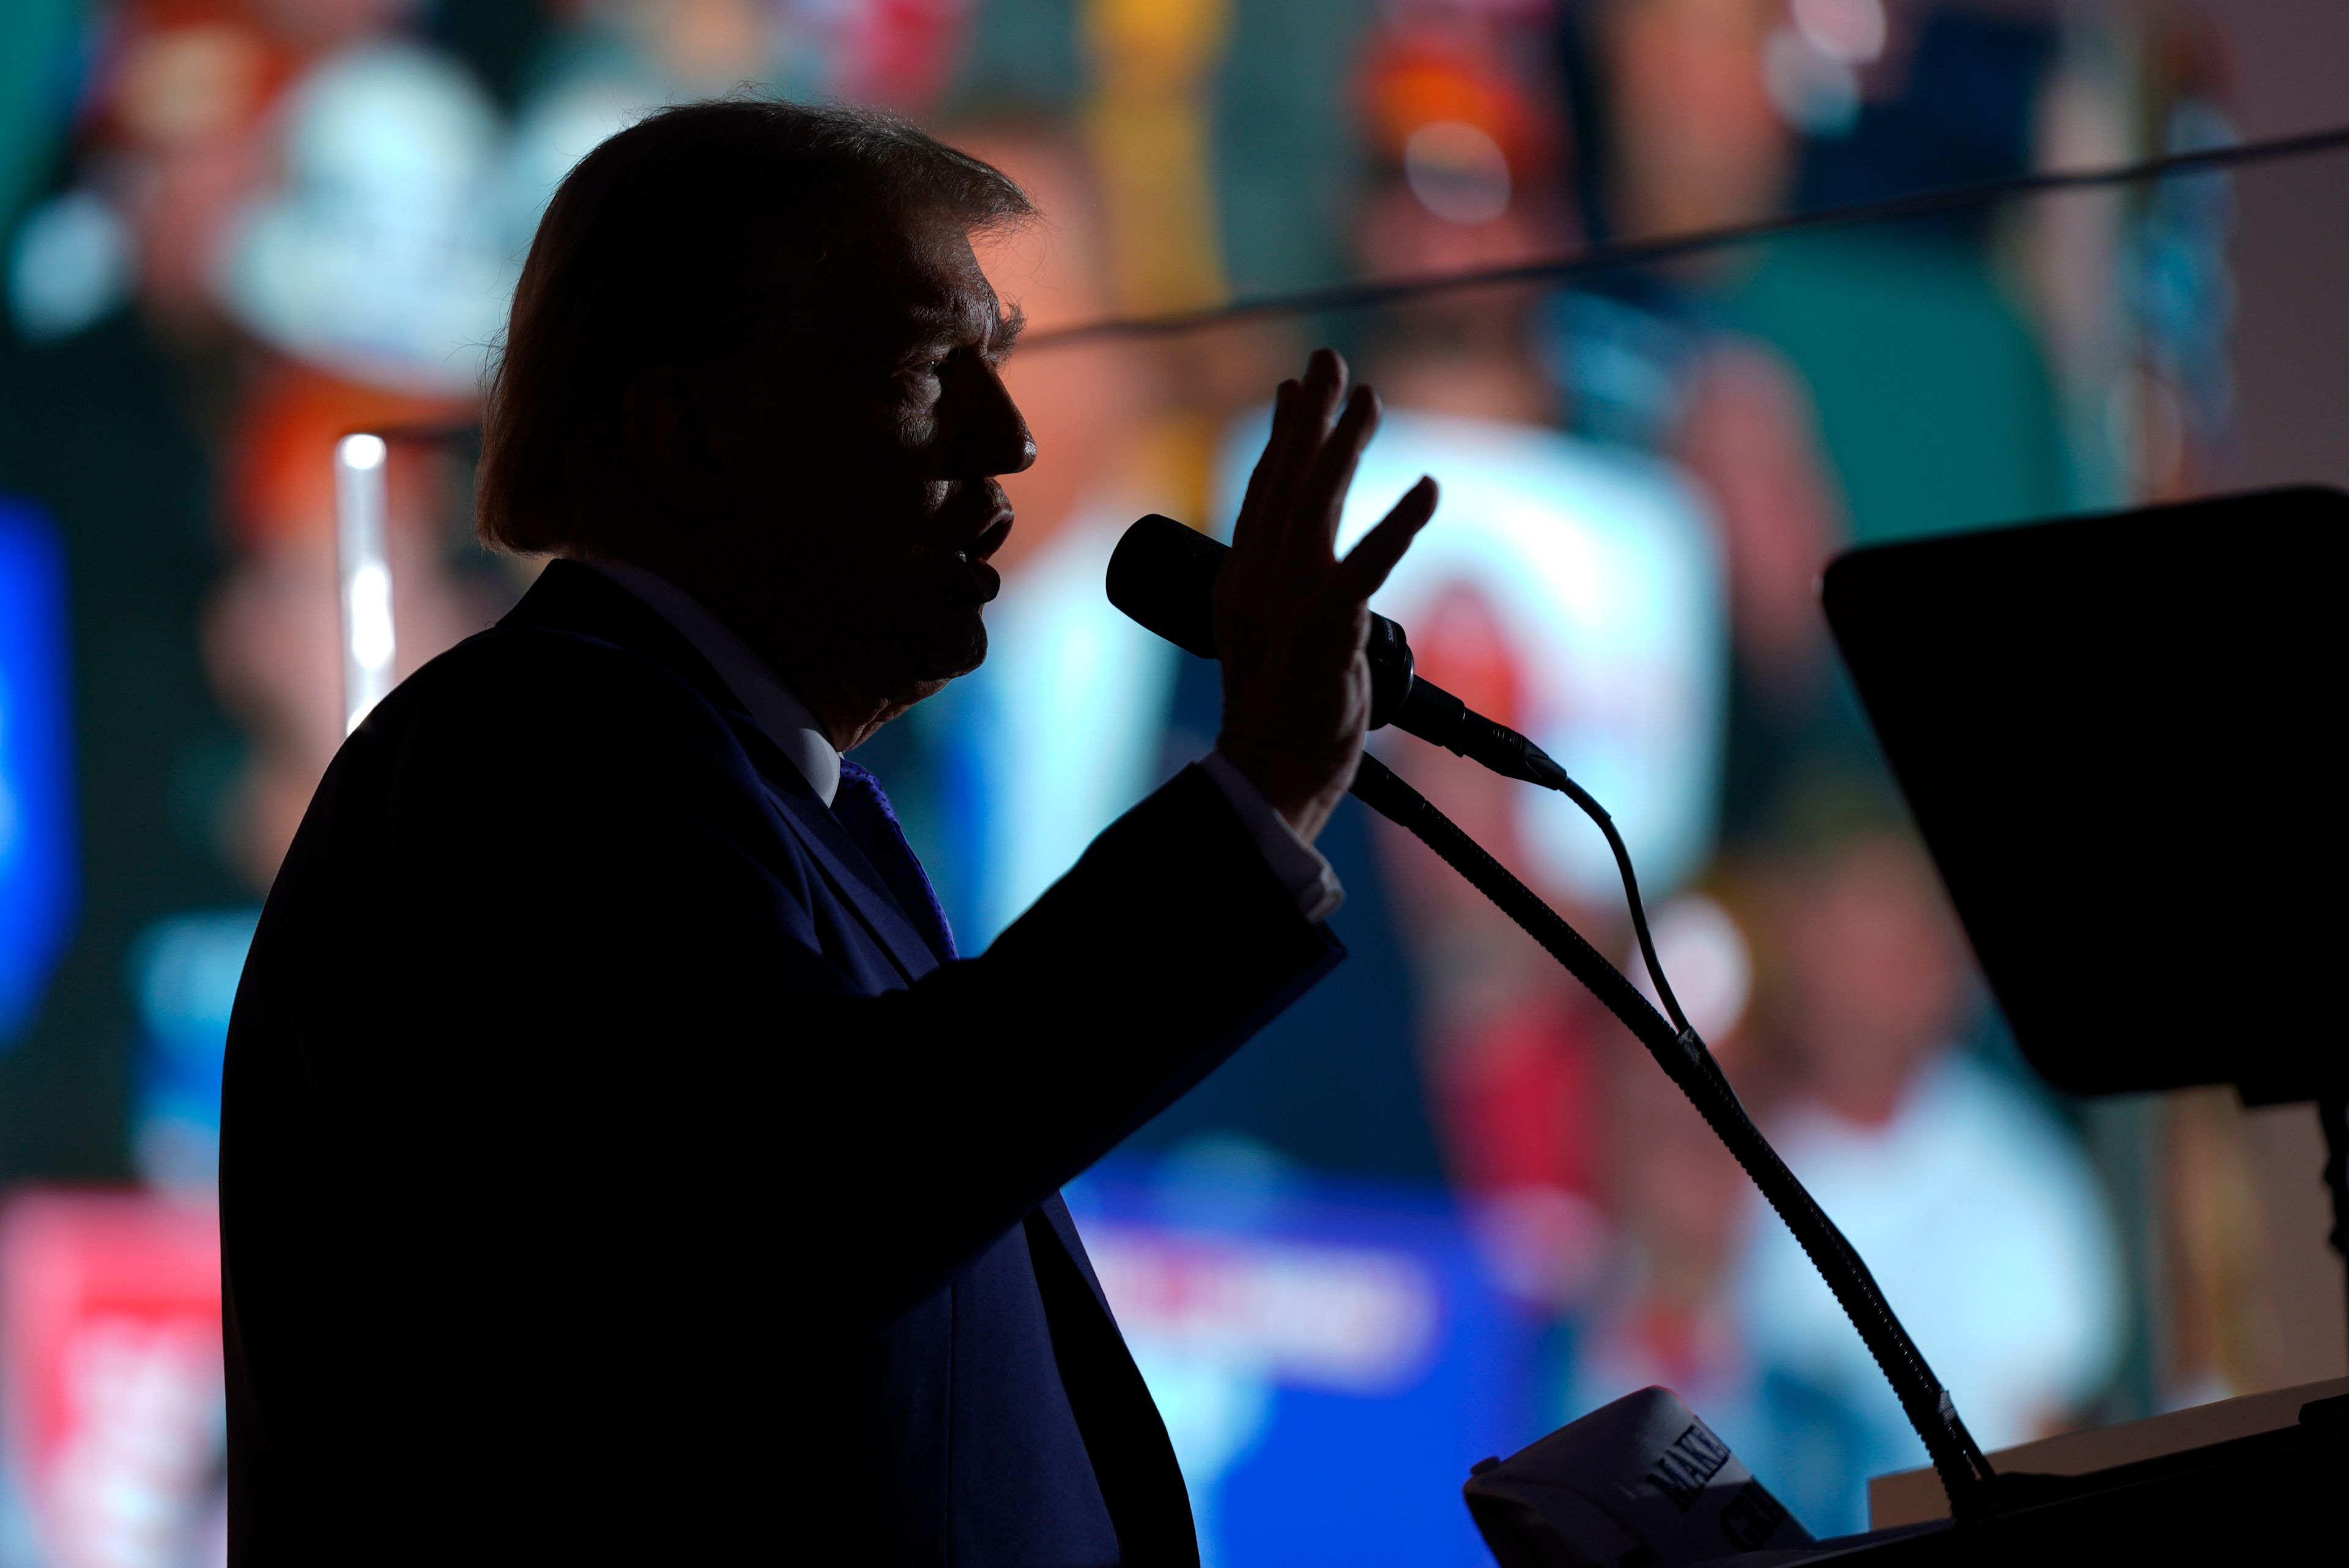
(1299, 866)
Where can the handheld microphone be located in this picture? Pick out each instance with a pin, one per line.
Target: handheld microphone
(1162, 576)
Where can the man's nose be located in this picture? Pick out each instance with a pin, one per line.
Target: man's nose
(995, 437)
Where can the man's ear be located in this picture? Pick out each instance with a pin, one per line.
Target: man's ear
(666, 417)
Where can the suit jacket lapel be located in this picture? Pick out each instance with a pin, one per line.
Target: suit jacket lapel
(836, 855)
(1133, 1461)
(1064, 1226)
(570, 597)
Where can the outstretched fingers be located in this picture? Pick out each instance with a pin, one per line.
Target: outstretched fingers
(1264, 480)
(1320, 504)
(1366, 566)
(1294, 449)
(1290, 458)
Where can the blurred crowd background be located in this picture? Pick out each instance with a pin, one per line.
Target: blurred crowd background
(1445, 1205)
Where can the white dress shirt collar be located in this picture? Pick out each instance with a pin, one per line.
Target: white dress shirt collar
(787, 722)
(783, 717)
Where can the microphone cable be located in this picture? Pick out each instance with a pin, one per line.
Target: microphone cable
(1469, 734)
(1965, 1473)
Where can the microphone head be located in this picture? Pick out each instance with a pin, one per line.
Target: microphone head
(1162, 576)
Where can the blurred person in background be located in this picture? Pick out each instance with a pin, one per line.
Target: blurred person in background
(608, 858)
(1905, 99)
(179, 135)
(1694, 141)
(1469, 140)
(1688, 133)
(1975, 1209)
(118, 370)
(1781, 373)
(1466, 140)
(1462, 146)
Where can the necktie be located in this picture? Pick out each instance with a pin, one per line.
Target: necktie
(864, 808)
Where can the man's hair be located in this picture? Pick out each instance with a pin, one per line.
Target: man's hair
(668, 244)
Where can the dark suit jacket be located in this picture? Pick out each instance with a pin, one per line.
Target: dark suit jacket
(611, 1173)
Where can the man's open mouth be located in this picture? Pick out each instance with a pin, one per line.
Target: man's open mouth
(990, 540)
(981, 581)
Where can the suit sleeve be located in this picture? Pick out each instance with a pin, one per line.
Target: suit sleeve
(618, 942)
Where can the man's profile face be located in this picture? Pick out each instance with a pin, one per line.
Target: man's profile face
(870, 437)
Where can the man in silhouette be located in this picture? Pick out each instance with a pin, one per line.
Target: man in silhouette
(618, 1164)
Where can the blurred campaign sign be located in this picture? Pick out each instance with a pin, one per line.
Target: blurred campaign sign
(1599, 572)
(1329, 1357)
(38, 871)
(113, 1407)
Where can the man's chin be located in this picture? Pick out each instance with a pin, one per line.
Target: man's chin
(950, 652)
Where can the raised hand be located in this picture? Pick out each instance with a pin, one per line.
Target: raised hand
(1290, 616)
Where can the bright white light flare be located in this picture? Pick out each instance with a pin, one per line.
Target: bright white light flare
(363, 566)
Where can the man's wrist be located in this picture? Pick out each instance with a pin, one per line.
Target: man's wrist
(1300, 868)
(1305, 817)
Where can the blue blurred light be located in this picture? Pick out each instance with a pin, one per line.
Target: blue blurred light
(72, 264)
(183, 976)
(39, 884)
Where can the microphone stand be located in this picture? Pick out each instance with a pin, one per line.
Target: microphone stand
(1965, 1474)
